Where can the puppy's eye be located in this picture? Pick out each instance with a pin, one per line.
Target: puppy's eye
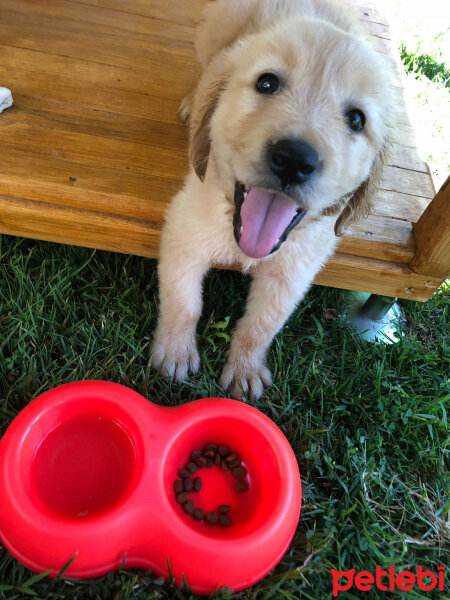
(268, 83)
(355, 119)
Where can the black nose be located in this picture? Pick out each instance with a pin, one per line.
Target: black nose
(293, 161)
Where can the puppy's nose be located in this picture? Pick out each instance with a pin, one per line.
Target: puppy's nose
(293, 161)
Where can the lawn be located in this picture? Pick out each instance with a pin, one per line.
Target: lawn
(368, 423)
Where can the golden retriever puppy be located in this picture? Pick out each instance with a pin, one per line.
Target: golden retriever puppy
(289, 126)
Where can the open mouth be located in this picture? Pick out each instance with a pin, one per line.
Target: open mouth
(263, 219)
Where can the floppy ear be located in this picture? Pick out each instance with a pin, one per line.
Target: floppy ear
(210, 86)
(359, 205)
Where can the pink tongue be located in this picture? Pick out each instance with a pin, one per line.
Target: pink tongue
(264, 216)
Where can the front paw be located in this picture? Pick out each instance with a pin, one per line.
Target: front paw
(245, 378)
(175, 357)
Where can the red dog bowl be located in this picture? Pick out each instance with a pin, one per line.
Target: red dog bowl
(87, 471)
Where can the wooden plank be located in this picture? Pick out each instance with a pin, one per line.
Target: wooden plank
(158, 64)
(379, 237)
(45, 142)
(79, 227)
(84, 82)
(86, 186)
(115, 233)
(65, 89)
(432, 233)
(405, 181)
(366, 11)
(186, 13)
(65, 116)
(180, 34)
(376, 277)
(399, 206)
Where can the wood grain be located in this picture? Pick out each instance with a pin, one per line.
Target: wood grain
(92, 150)
(432, 233)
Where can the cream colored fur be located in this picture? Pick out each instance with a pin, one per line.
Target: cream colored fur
(327, 67)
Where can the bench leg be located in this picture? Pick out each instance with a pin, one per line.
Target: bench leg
(375, 318)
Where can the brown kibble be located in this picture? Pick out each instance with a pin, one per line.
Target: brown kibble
(223, 465)
(224, 520)
(209, 453)
(195, 454)
(223, 451)
(211, 518)
(241, 486)
(10, 378)
(188, 507)
(188, 485)
(200, 462)
(234, 463)
(231, 457)
(210, 446)
(181, 498)
(178, 486)
(217, 459)
(191, 467)
(224, 509)
(184, 473)
(199, 514)
(238, 472)
(209, 462)
(197, 484)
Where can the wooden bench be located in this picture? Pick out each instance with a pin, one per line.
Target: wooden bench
(92, 150)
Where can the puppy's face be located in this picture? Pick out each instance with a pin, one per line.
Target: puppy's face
(300, 123)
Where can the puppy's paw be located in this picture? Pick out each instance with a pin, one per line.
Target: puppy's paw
(176, 358)
(243, 378)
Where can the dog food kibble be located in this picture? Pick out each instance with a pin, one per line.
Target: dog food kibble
(241, 486)
(188, 507)
(231, 457)
(212, 447)
(224, 520)
(188, 485)
(182, 497)
(211, 518)
(191, 467)
(178, 486)
(211, 455)
(198, 514)
(200, 462)
(238, 472)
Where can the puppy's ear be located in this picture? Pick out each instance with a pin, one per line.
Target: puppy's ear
(359, 205)
(211, 85)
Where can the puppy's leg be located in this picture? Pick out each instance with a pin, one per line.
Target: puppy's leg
(182, 265)
(180, 289)
(271, 300)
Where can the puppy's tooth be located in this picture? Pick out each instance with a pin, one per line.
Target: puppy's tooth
(241, 230)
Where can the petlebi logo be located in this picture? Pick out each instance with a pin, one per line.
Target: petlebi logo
(388, 580)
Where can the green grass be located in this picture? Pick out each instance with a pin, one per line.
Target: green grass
(425, 65)
(368, 423)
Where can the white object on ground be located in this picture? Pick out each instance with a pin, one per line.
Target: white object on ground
(5, 98)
